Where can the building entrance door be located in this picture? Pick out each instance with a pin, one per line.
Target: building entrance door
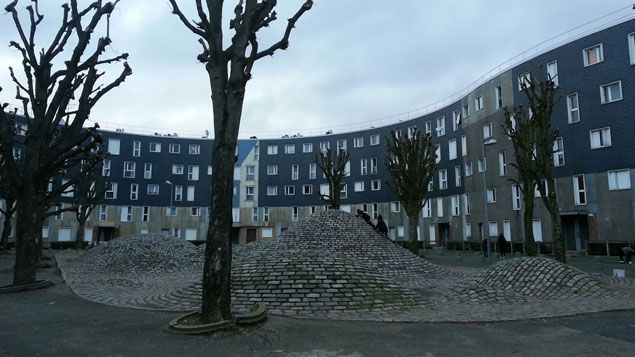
(575, 229)
(251, 235)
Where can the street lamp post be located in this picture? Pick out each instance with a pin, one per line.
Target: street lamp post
(490, 141)
(171, 195)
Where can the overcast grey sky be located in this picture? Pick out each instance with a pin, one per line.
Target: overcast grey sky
(349, 61)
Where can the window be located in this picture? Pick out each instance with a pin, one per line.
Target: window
(113, 146)
(487, 131)
(155, 147)
(537, 191)
(437, 152)
(192, 172)
(209, 170)
(194, 149)
(452, 149)
(289, 149)
(103, 213)
(491, 195)
(153, 189)
(631, 47)
(295, 171)
(147, 170)
(552, 71)
(499, 97)
(272, 190)
(249, 193)
(524, 80)
(619, 180)
(430, 185)
(456, 205)
(456, 120)
(178, 193)
(312, 171)
(324, 146)
(395, 207)
(478, 103)
(468, 168)
(195, 211)
(573, 108)
(250, 173)
(374, 139)
(358, 186)
(111, 191)
(69, 191)
(373, 165)
(146, 214)
(457, 176)
(177, 169)
(467, 203)
(600, 138)
(579, 190)
(313, 209)
(307, 189)
(344, 191)
(441, 126)
(294, 213)
(364, 166)
(341, 144)
(492, 227)
(289, 190)
(428, 127)
(427, 210)
(482, 164)
(502, 163)
(174, 148)
(235, 214)
(440, 207)
(126, 214)
(134, 191)
(272, 169)
(307, 147)
(375, 185)
(465, 111)
(611, 92)
(516, 197)
(463, 145)
(593, 55)
(396, 133)
(129, 169)
(136, 148)
(105, 168)
(17, 153)
(443, 179)
(265, 214)
(558, 152)
(537, 228)
(272, 149)
(411, 131)
(358, 142)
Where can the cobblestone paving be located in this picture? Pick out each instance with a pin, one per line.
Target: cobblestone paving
(333, 265)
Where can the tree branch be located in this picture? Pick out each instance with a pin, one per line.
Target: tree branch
(284, 42)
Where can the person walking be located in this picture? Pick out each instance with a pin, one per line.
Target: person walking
(626, 254)
(502, 245)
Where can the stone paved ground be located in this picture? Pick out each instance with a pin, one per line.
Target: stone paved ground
(333, 266)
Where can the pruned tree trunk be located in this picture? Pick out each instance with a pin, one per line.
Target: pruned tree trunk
(528, 220)
(27, 255)
(551, 202)
(79, 236)
(412, 233)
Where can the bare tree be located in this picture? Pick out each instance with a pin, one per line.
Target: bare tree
(333, 166)
(411, 162)
(88, 192)
(8, 194)
(541, 97)
(522, 133)
(229, 69)
(55, 136)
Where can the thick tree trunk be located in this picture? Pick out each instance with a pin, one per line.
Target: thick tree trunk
(528, 220)
(6, 231)
(216, 299)
(79, 236)
(412, 233)
(559, 249)
(29, 222)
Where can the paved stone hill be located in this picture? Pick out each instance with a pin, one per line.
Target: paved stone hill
(333, 265)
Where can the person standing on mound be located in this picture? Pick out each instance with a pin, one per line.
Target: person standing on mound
(381, 226)
(363, 215)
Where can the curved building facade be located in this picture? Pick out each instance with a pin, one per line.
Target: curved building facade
(277, 180)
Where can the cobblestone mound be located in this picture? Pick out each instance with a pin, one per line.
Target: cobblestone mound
(525, 278)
